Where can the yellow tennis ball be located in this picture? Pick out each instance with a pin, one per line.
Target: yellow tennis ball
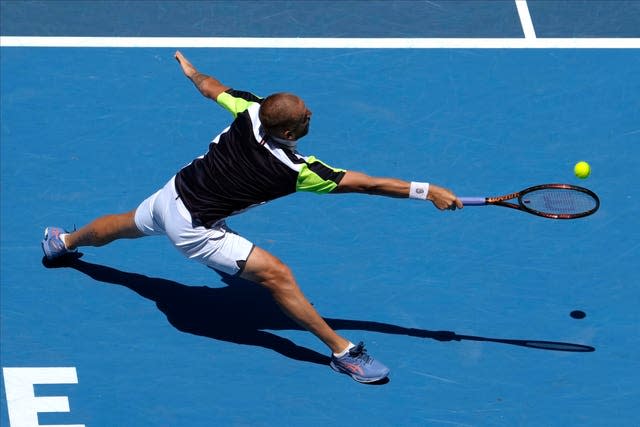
(582, 170)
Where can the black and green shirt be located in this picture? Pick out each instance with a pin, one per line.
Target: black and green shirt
(244, 167)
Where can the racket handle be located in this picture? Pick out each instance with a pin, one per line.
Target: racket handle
(473, 201)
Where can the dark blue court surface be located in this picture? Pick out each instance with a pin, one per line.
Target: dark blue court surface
(470, 309)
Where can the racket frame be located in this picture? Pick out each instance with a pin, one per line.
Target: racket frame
(520, 205)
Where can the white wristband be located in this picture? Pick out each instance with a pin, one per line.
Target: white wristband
(419, 190)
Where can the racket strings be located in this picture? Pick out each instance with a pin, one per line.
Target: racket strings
(559, 201)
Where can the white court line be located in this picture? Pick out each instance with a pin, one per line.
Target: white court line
(323, 43)
(525, 19)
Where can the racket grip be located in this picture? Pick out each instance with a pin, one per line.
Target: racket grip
(473, 201)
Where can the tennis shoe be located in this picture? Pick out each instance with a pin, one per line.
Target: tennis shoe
(359, 365)
(52, 244)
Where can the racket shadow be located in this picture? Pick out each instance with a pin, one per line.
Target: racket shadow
(242, 312)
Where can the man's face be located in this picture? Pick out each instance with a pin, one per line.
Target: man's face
(301, 128)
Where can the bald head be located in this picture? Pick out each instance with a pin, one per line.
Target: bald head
(284, 115)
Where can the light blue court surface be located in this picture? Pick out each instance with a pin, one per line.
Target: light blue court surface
(452, 302)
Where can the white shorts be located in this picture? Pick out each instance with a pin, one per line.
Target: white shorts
(218, 247)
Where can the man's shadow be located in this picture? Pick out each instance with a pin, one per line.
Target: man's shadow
(242, 311)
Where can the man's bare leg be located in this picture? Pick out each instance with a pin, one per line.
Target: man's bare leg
(104, 230)
(267, 270)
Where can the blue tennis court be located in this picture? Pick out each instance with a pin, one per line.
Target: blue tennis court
(455, 303)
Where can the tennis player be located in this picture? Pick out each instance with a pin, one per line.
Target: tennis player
(251, 162)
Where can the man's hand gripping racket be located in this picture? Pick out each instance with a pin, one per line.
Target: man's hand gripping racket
(443, 198)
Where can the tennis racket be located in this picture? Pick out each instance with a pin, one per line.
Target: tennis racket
(555, 201)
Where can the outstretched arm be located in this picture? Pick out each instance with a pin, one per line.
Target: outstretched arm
(207, 85)
(357, 182)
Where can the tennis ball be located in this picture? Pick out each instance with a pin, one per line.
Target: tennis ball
(582, 169)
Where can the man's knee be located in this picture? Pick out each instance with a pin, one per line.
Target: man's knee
(277, 275)
(111, 227)
(125, 225)
(282, 271)
(266, 269)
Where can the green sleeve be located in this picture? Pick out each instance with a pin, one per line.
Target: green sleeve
(236, 101)
(317, 177)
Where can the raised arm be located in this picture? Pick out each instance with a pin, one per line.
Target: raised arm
(357, 182)
(207, 85)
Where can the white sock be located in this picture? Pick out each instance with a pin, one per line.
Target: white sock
(345, 351)
(62, 237)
